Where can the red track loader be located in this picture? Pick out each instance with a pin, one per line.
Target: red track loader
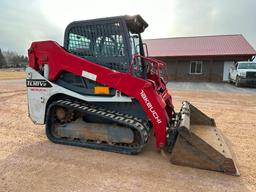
(100, 91)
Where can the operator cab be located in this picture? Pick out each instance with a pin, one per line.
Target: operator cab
(110, 42)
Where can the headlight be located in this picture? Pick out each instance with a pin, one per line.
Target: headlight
(242, 74)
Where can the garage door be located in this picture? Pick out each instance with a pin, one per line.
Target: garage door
(227, 65)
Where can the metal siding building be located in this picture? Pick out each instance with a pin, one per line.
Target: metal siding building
(202, 58)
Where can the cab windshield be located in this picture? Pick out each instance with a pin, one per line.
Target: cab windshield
(247, 66)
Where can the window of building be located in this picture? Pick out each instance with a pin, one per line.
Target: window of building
(196, 67)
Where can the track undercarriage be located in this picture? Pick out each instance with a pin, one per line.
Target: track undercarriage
(66, 123)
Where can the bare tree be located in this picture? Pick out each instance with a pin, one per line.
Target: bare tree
(15, 60)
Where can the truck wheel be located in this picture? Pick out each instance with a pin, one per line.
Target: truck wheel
(237, 83)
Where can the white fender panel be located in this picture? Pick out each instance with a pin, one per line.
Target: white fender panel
(40, 90)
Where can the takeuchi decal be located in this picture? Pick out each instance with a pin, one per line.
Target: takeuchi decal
(150, 107)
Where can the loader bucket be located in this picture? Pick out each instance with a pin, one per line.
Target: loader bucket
(200, 143)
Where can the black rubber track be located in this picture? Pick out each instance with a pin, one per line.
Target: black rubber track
(142, 131)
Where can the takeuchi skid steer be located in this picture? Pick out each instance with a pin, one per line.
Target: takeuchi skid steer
(100, 91)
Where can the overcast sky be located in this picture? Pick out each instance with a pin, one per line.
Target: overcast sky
(24, 21)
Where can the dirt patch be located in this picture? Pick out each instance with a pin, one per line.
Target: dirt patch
(29, 162)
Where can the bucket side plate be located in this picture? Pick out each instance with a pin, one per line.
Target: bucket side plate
(202, 145)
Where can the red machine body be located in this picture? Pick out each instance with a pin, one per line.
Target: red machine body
(151, 93)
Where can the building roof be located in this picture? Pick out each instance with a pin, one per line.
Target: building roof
(217, 45)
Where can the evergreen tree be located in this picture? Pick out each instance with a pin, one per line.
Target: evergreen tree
(2, 60)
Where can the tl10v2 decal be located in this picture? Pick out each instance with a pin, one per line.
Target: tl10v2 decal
(38, 83)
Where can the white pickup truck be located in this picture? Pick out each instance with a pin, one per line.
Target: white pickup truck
(243, 73)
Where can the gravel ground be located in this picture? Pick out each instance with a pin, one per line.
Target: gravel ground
(29, 162)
